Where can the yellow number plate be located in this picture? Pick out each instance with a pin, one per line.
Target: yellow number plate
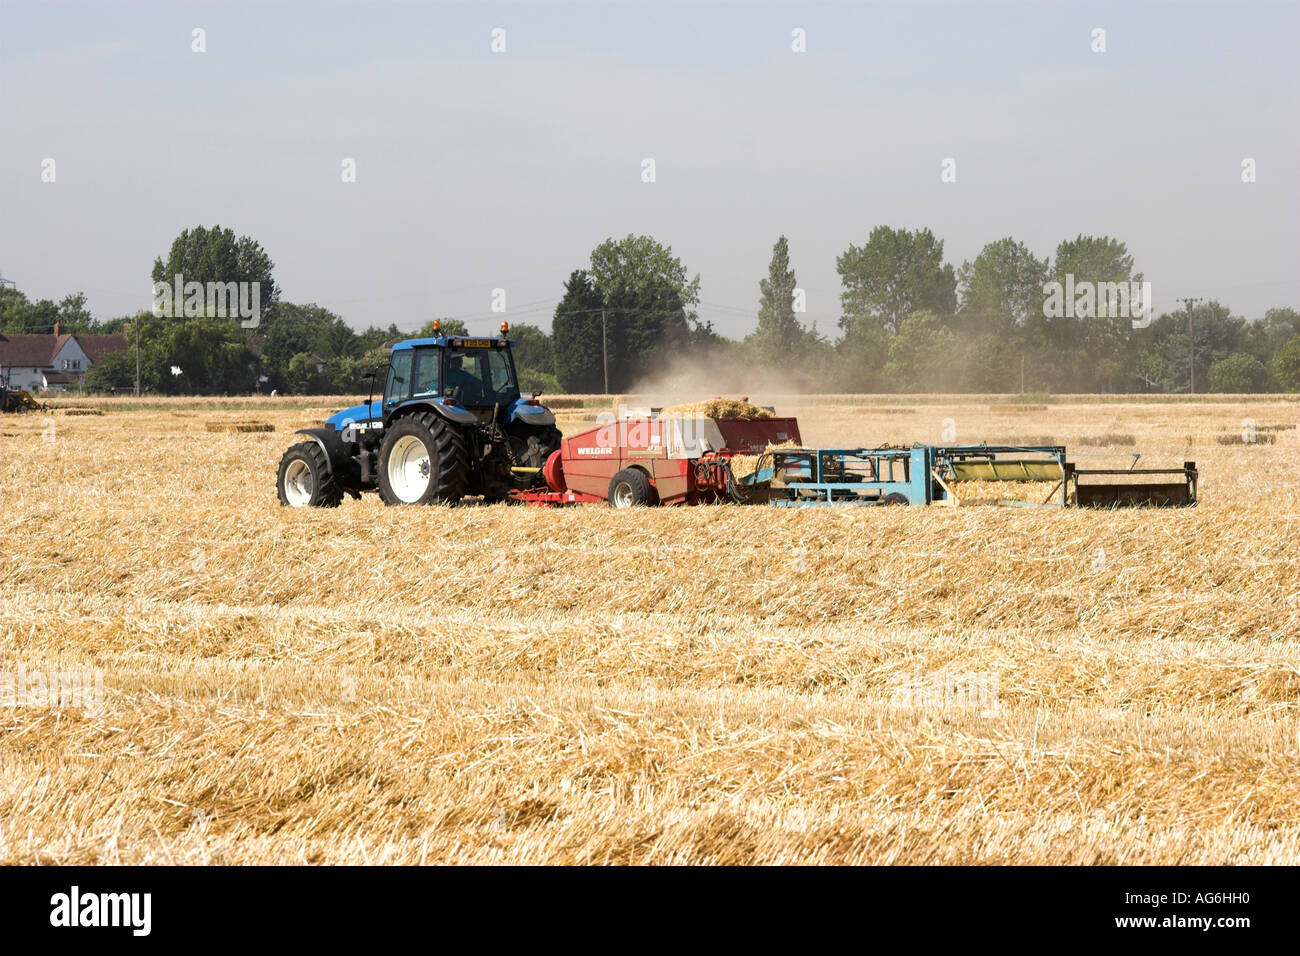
(476, 343)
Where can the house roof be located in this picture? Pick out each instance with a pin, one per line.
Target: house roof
(28, 350)
(97, 346)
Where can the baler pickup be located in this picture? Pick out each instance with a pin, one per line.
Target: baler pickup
(1127, 494)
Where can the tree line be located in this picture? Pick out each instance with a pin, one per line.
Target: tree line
(909, 321)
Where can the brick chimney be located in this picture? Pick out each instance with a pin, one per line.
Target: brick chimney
(56, 328)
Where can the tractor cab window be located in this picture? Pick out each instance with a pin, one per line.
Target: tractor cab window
(426, 373)
(479, 376)
(399, 378)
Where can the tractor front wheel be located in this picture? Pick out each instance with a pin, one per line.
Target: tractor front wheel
(423, 460)
(304, 479)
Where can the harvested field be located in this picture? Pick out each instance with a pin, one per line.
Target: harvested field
(706, 685)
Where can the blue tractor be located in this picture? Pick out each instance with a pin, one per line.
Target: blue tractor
(451, 424)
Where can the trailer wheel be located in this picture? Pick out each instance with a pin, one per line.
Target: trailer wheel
(630, 488)
(423, 460)
(304, 480)
(895, 498)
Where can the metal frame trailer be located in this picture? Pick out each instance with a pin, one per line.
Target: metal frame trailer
(927, 474)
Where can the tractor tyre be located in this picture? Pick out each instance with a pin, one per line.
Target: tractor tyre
(423, 460)
(631, 488)
(895, 498)
(304, 479)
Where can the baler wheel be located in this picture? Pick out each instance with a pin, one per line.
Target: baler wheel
(423, 460)
(304, 479)
(630, 488)
(895, 498)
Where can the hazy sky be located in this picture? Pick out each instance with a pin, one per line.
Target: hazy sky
(478, 170)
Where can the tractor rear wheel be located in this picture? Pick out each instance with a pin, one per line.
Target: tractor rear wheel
(423, 460)
(304, 479)
(630, 488)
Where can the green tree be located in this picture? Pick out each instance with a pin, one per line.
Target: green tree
(304, 328)
(1286, 366)
(1002, 289)
(1265, 337)
(894, 273)
(650, 305)
(302, 377)
(921, 355)
(218, 255)
(209, 351)
(74, 316)
(1161, 349)
(114, 370)
(375, 338)
(446, 326)
(532, 348)
(19, 315)
(1239, 372)
(1099, 260)
(211, 354)
(576, 335)
(779, 335)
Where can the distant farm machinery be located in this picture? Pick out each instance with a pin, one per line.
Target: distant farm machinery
(452, 424)
(18, 400)
(663, 461)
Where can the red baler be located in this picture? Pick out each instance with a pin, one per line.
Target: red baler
(651, 460)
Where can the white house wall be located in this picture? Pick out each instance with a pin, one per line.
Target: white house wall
(70, 353)
(23, 377)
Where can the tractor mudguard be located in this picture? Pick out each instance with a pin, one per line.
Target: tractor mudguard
(453, 413)
(525, 414)
(330, 441)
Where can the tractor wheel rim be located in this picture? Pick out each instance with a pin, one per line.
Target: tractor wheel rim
(298, 483)
(623, 495)
(409, 469)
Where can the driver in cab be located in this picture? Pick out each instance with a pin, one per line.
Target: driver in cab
(465, 386)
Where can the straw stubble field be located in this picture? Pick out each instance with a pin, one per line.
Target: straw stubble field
(709, 685)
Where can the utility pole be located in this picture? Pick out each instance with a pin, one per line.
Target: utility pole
(137, 356)
(1022, 373)
(604, 349)
(1191, 344)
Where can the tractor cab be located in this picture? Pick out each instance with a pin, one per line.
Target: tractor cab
(475, 374)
